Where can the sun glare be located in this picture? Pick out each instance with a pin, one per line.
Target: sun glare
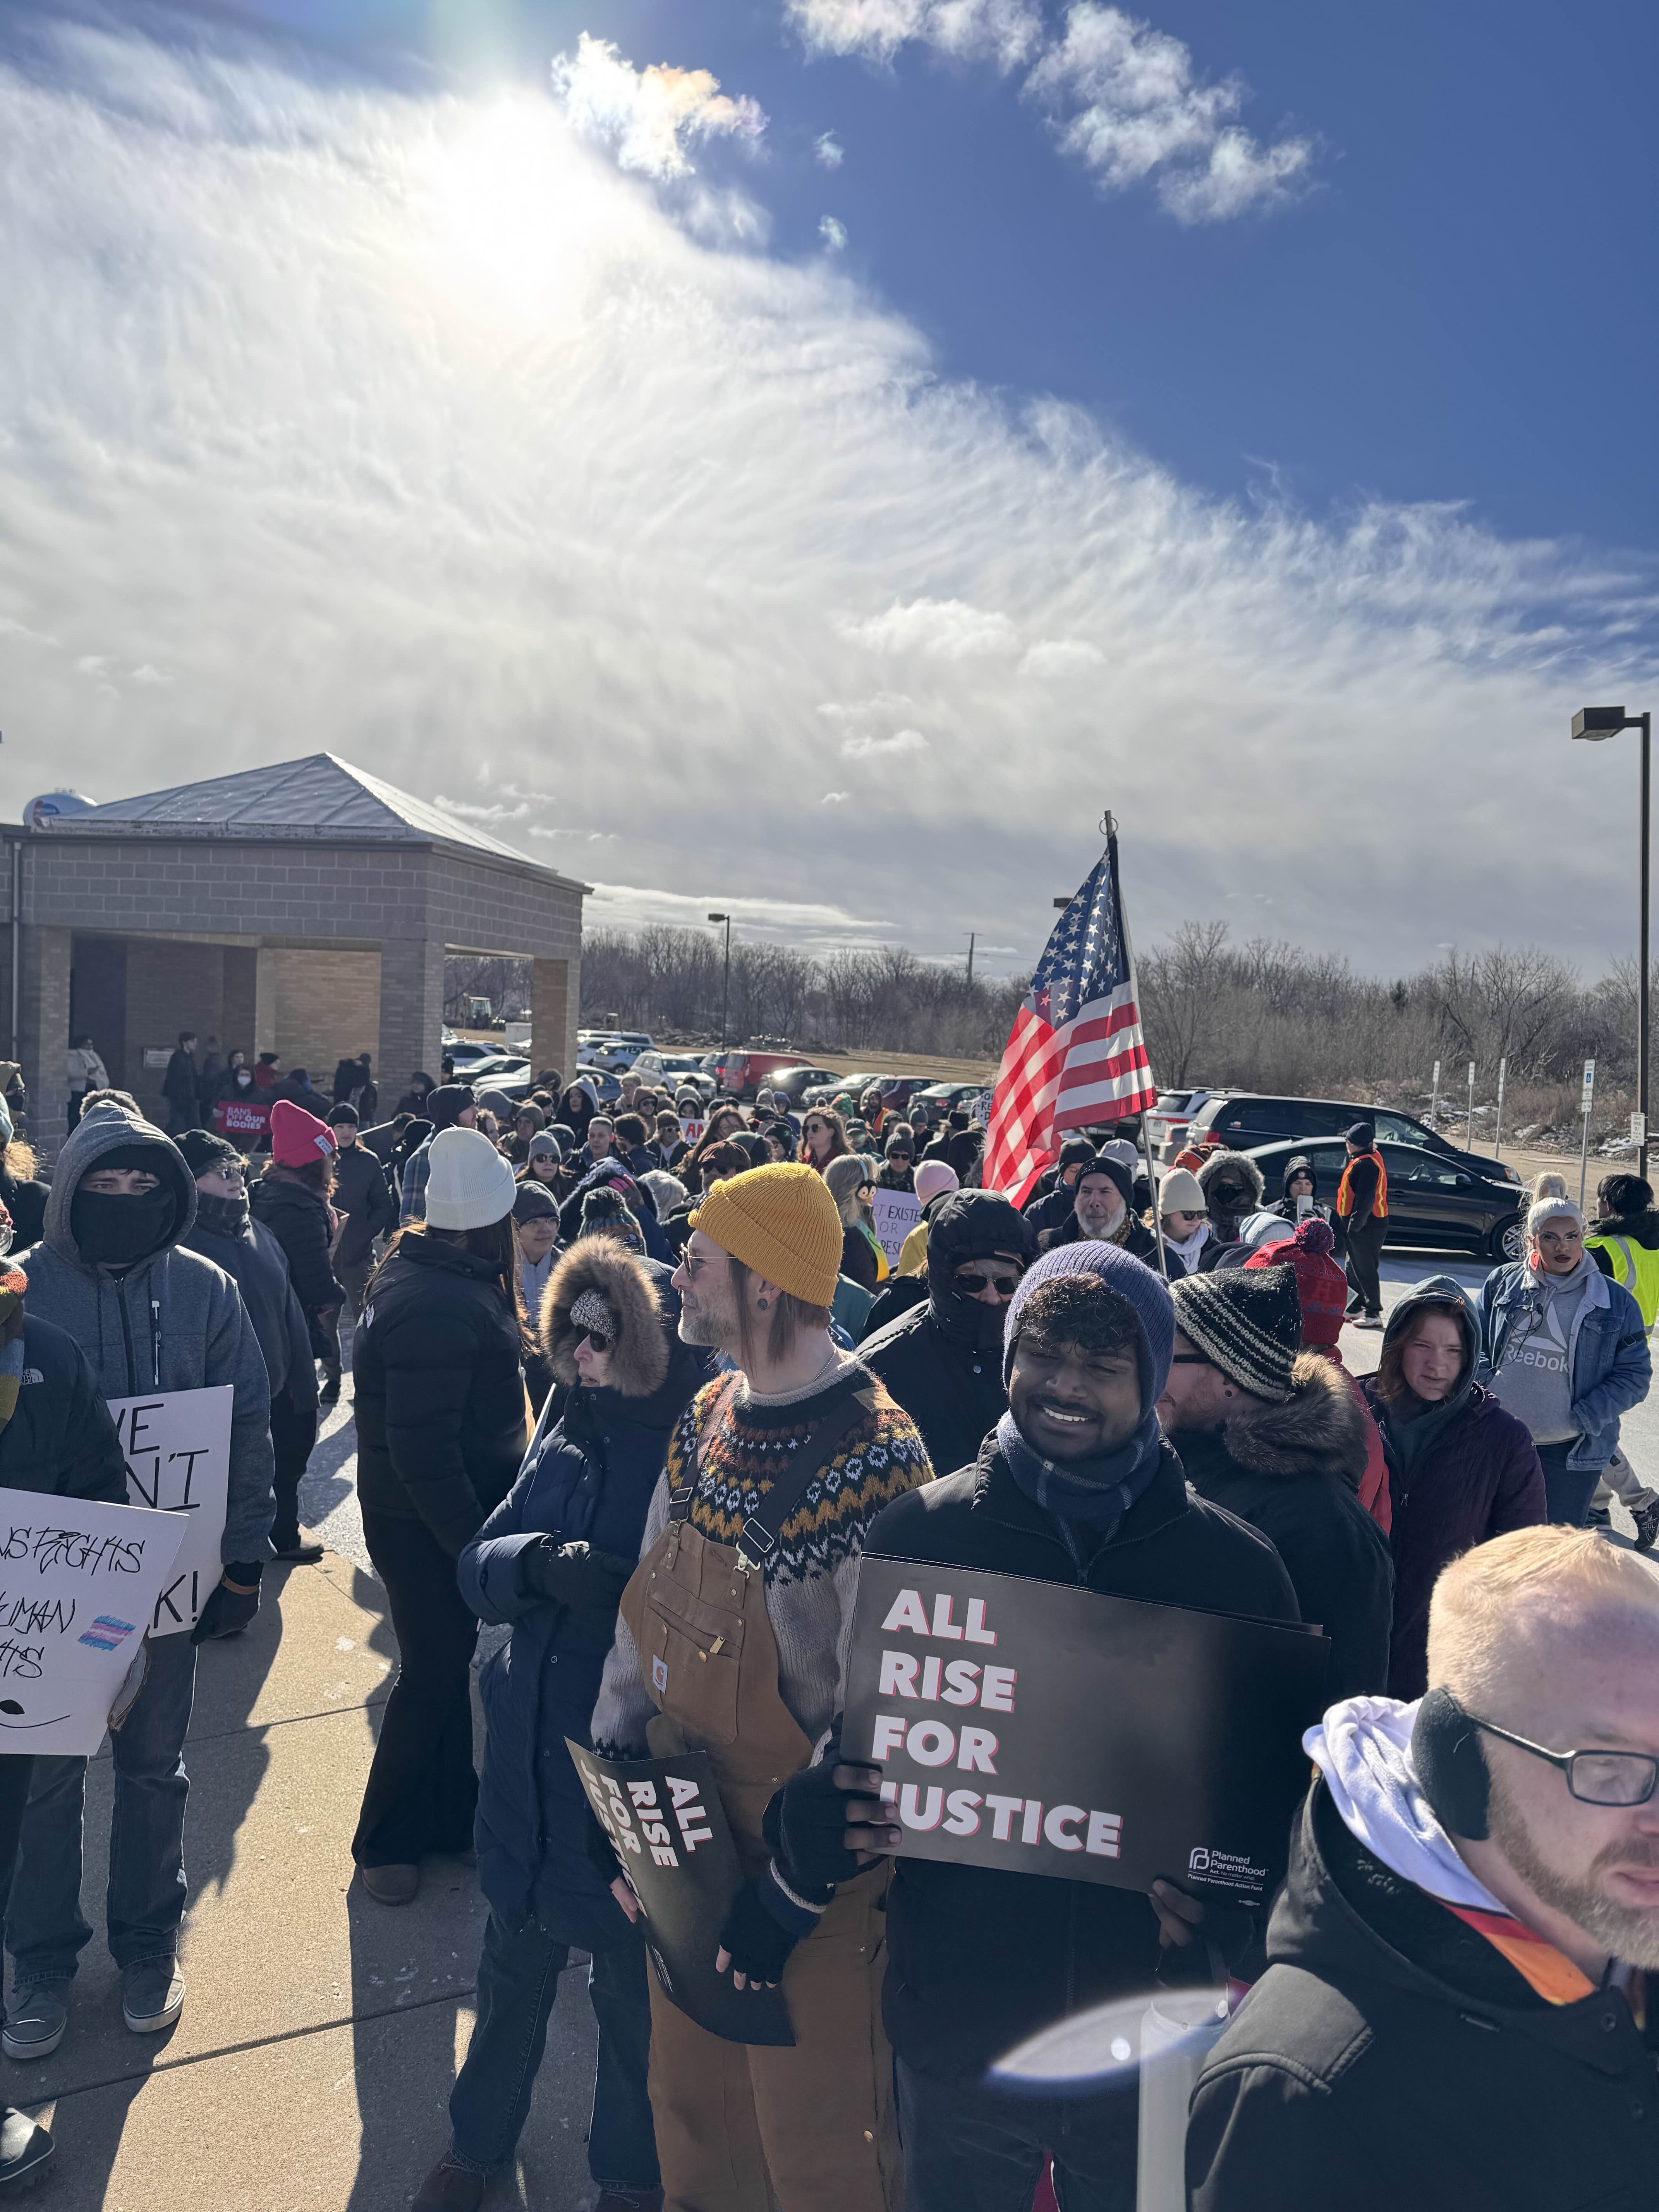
(501, 222)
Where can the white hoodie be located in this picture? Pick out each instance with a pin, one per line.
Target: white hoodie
(1363, 1748)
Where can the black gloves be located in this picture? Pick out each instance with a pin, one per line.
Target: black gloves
(575, 1575)
(229, 1611)
(757, 1947)
(812, 1826)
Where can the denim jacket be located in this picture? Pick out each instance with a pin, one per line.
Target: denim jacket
(1610, 1363)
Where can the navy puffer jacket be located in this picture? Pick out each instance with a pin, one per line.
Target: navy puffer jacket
(587, 1477)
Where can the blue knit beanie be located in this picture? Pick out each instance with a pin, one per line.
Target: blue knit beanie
(1131, 1278)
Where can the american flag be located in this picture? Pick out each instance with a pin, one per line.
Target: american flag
(1075, 1055)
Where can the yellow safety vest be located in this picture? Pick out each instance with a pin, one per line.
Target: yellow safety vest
(1633, 1265)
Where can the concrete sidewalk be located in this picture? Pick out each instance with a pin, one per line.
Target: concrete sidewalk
(310, 2071)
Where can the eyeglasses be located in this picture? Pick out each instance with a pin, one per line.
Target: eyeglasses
(974, 1280)
(598, 1342)
(1593, 1777)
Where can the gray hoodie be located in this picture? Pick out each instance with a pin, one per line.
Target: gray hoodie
(173, 1321)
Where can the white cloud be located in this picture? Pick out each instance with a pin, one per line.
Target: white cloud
(1061, 656)
(489, 460)
(874, 748)
(470, 811)
(1124, 101)
(834, 799)
(146, 674)
(647, 115)
(948, 629)
(829, 150)
(1003, 31)
(833, 233)
(93, 664)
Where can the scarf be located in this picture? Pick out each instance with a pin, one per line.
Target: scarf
(221, 1217)
(1188, 1252)
(13, 1284)
(116, 1232)
(1087, 1497)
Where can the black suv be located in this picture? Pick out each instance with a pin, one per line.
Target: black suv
(1436, 1201)
(1249, 1118)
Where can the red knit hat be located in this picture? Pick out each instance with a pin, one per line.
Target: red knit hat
(1320, 1284)
(298, 1137)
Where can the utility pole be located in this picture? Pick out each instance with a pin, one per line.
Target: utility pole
(972, 936)
(725, 980)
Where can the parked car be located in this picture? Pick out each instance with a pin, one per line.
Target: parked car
(1439, 1200)
(672, 1070)
(825, 1093)
(491, 1067)
(618, 1049)
(740, 1074)
(465, 1054)
(796, 1082)
(949, 1094)
(1171, 1117)
(1247, 1119)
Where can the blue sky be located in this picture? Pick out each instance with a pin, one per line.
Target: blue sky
(1460, 305)
(809, 456)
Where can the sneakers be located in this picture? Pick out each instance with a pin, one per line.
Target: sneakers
(152, 1996)
(35, 2021)
(390, 1885)
(25, 2146)
(305, 1551)
(1366, 1320)
(1646, 1517)
(451, 2188)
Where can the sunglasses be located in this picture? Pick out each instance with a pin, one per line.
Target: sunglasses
(974, 1280)
(598, 1339)
(901, 1156)
(815, 1129)
(1190, 1359)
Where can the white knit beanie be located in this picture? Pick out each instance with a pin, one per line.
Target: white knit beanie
(1552, 1209)
(469, 1185)
(1180, 1192)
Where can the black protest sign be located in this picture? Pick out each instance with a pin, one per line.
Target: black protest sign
(668, 1829)
(1048, 1729)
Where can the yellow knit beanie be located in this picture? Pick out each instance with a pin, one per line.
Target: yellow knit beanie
(781, 1222)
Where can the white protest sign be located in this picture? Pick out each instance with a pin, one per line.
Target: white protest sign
(896, 1213)
(177, 1445)
(78, 1582)
(692, 1130)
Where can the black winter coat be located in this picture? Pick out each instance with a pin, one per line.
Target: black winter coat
(979, 1960)
(60, 1439)
(942, 1361)
(438, 1390)
(1293, 1471)
(256, 1263)
(1390, 2057)
(362, 1194)
(298, 1219)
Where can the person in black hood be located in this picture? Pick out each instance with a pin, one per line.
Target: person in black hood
(225, 1233)
(1300, 1181)
(1233, 1187)
(421, 1087)
(942, 1361)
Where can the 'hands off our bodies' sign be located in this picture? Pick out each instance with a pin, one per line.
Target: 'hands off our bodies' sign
(177, 1446)
(78, 1583)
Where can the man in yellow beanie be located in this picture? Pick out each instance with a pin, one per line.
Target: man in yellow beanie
(730, 1642)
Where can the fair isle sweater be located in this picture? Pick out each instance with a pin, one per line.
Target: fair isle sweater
(810, 1574)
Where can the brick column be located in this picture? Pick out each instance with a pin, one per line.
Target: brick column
(43, 1033)
(555, 1014)
(412, 1014)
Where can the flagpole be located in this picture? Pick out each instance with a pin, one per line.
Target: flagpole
(1108, 824)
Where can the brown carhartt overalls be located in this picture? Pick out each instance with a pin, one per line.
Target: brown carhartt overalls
(816, 2122)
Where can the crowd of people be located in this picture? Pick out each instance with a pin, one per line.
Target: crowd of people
(644, 1386)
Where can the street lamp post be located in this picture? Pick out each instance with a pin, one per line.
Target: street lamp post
(725, 980)
(1594, 725)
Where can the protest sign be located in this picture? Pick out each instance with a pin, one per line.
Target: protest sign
(177, 1445)
(692, 1130)
(78, 1582)
(896, 1213)
(1048, 1729)
(668, 1829)
(241, 1117)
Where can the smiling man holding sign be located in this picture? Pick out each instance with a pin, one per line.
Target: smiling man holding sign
(1053, 1899)
(174, 1352)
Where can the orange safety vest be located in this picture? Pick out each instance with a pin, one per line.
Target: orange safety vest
(1345, 1193)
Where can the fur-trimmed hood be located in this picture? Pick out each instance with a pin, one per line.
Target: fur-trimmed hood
(1236, 1168)
(1320, 1429)
(636, 1291)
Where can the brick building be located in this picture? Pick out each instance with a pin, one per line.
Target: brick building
(305, 909)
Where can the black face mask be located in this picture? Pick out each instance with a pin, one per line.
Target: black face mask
(115, 1232)
(222, 1216)
(975, 1322)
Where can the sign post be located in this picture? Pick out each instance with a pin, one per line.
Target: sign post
(1469, 1126)
(1434, 1096)
(1046, 1729)
(1583, 1149)
(1497, 1134)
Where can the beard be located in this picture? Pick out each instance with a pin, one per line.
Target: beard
(704, 1322)
(1630, 1933)
(1102, 1226)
